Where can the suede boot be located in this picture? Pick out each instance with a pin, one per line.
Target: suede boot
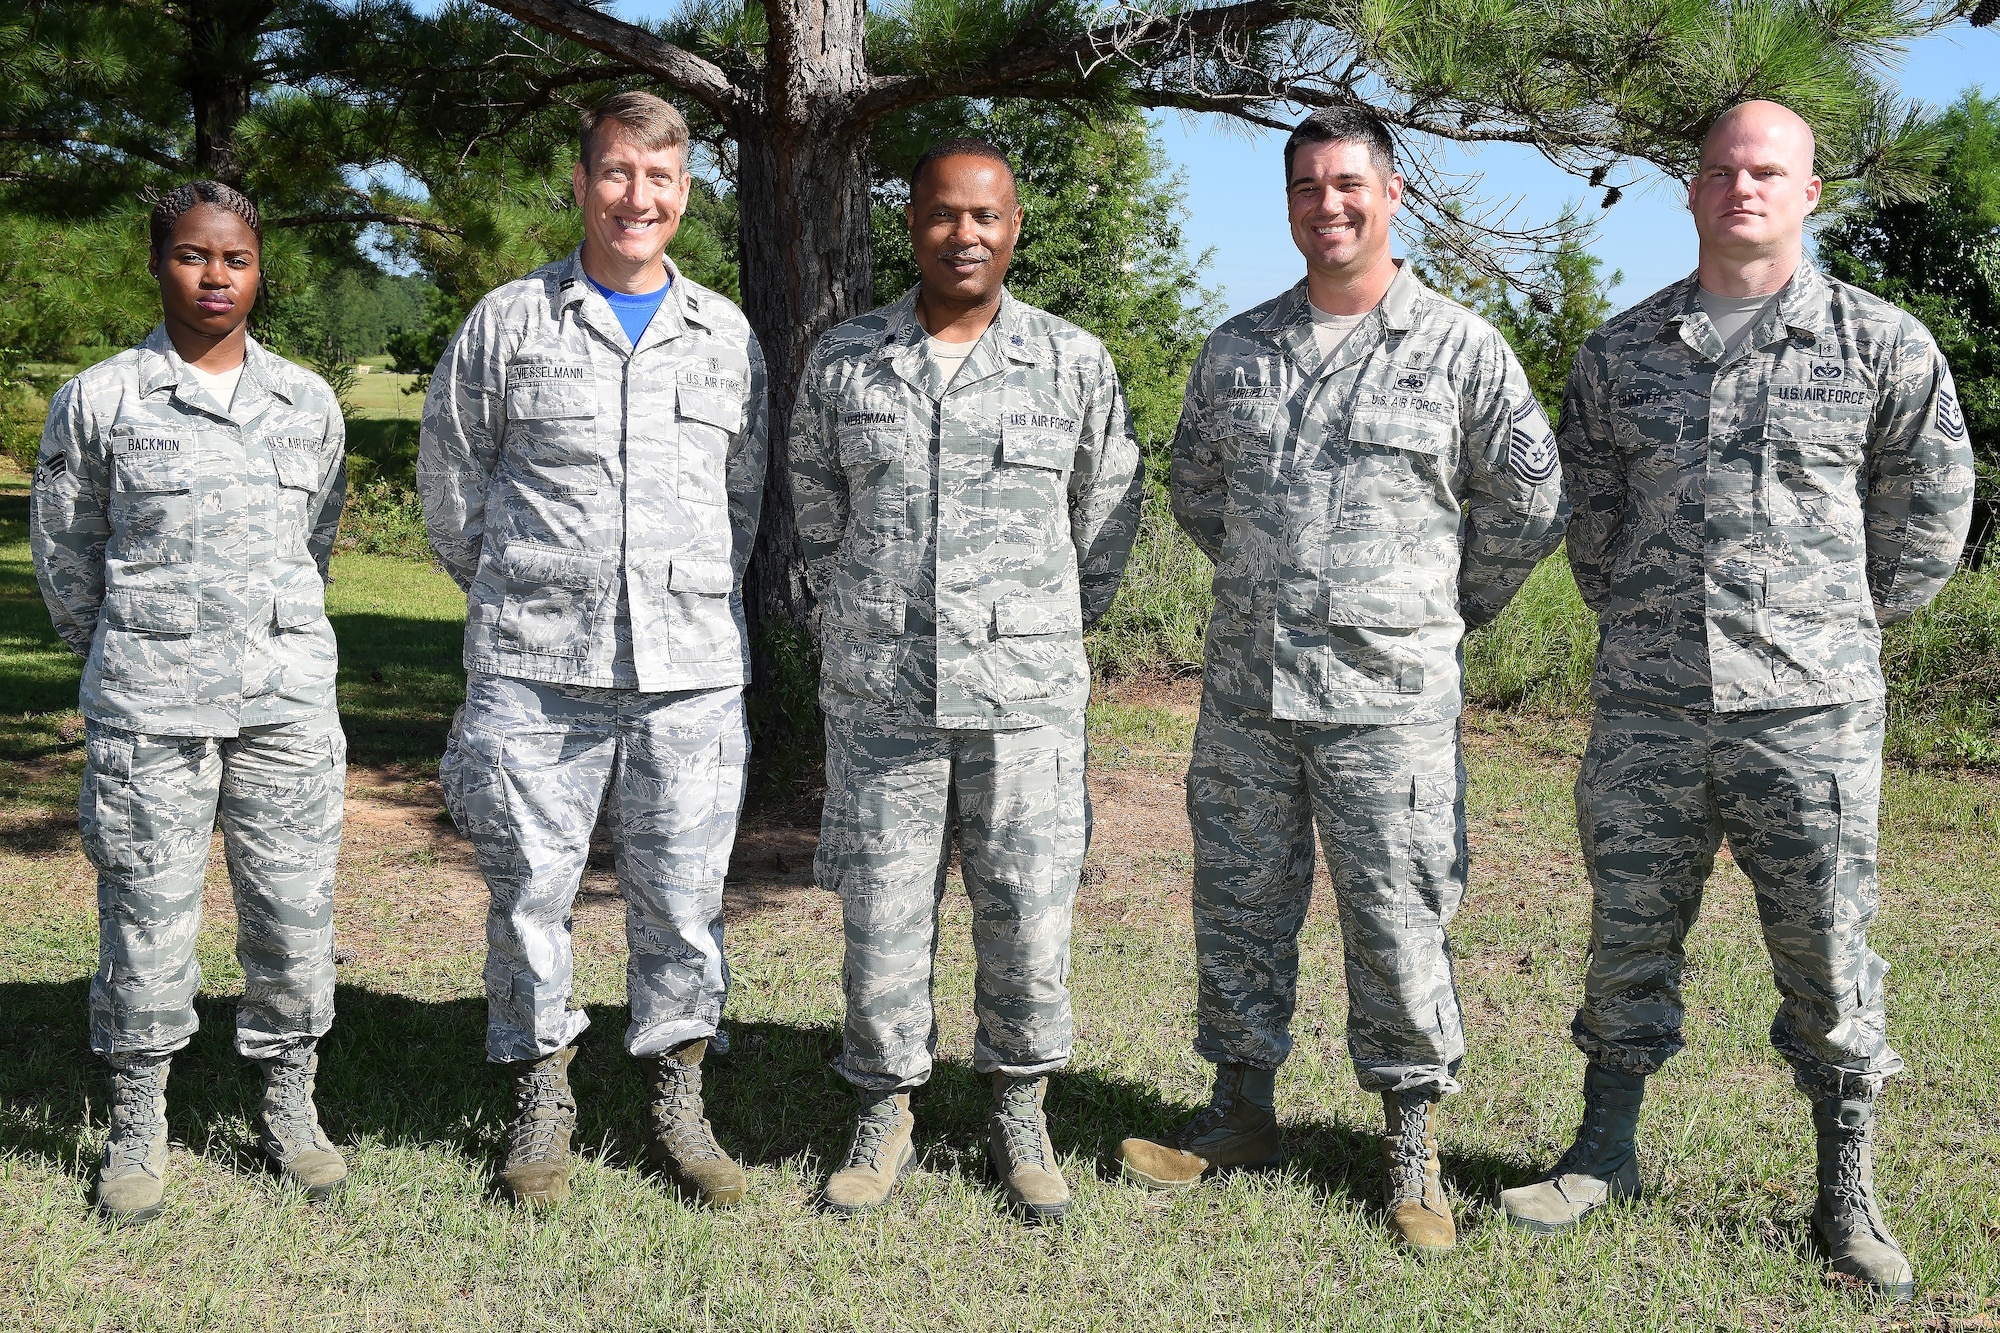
(1237, 1130)
(1414, 1202)
(537, 1165)
(878, 1159)
(1846, 1222)
(1601, 1167)
(1017, 1141)
(683, 1146)
(132, 1177)
(288, 1128)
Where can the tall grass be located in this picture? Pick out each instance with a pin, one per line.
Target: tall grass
(1155, 624)
(1537, 654)
(1943, 666)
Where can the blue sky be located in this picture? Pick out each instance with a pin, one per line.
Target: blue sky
(1236, 204)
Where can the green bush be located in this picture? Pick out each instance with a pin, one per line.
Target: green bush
(1537, 653)
(1943, 666)
(22, 412)
(382, 518)
(1156, 623)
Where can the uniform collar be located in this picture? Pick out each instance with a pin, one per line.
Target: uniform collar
(1008, 332)
(161, 367)
(1803, 308)
(1398, 305)
(681, 306)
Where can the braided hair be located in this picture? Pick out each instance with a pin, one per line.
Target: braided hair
(178, 203)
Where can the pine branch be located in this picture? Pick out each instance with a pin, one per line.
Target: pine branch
(67, 138)
(362, 219)
(1120, 43)
(706, 83)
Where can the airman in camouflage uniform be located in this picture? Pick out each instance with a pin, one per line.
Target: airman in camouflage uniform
(1747, 519)
(1363, 510)
(597, 500)
(959, 537)
(181, 543)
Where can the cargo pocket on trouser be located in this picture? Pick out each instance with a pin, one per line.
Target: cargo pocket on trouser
(281, 807)
(1396, 852)
(146, 809)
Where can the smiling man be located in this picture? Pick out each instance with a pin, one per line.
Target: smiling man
(1767, 466)
(1367, 467)
(591, 469)
(968, 489)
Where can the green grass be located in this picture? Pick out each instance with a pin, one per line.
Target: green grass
(1155, 624)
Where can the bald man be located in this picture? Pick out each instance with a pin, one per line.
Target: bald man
(1767, 466)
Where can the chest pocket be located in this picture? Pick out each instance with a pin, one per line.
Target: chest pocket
(707, 421)
(1816, 418)
(154, 511)
(550, 407)
(1398, 473)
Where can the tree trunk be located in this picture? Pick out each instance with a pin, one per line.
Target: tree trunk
(219, 69)
(803, 203)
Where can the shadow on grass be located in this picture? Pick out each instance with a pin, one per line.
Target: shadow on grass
(413, 1073)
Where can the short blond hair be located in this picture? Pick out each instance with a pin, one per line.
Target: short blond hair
(651, 121)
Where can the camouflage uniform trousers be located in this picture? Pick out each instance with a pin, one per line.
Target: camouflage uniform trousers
(148, 807)
(1390, 805)
(528, 767)
(896, 796)
(1795, 792)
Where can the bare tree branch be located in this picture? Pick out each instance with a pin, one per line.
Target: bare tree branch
(362, 219)
(67, 138)
(704, 82)
(1080, 55)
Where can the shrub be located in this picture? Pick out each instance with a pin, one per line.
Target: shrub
(382, 518)
(1156, 623)
(22, 413)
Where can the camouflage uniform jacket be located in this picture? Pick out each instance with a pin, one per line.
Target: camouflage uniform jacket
(597, 501)
(182, 548)
(1742, 530)
(959, 540)
(1361, 514)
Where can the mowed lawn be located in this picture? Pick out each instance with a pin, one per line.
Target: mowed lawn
(417, 1240)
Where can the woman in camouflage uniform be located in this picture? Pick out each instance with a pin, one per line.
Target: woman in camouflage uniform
(184, 508)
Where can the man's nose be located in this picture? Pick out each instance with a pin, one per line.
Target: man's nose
(964, 232)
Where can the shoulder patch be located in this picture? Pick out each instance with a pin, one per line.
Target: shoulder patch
(1950, 419)
(54, 466)
(1531, 450)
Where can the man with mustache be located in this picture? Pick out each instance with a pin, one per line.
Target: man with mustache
(968, 490)
(1768, 466)
(591, 468)
(1368, 468)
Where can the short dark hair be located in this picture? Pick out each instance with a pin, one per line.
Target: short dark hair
(1344, 124)
(651, 121)
(177, 203)
(961, 147)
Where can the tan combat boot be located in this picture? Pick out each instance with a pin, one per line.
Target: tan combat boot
(537, 1165)
(288, 1128)
(683, 1146)
(1601, 1166)
(1845, 1221)
(1237, 1130)
(1017, 1141)
(1415, 1206)
(132, 1178)
(878, 1159)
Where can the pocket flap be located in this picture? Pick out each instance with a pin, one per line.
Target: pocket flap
(1432, 791)
(862, 445)
(153, 612)
(1376, 609)
(1416, 436)
(1813, 585)
(296, 468)
(296, 608)
(1014, 616)
(715, 578)
(1037, 448)
(549, 567)
(547, 391)
(713, 408)
(145, 462)
(872, 617)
